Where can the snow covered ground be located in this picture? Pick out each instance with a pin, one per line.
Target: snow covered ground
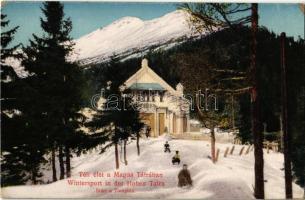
(130, 35)
(229, 178)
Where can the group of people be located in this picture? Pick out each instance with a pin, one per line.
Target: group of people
(184, 176)
(176, 158)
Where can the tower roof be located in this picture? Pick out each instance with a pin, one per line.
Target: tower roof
(146, 78)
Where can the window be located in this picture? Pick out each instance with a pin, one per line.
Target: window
(152, 96)
(139, 96)
(161, 97)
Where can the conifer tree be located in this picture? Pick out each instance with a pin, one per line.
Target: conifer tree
(21, 147)
(9, 174)
(118, 117)
(8, 74)
(58, 84)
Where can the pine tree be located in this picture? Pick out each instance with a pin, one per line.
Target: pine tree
(7, 71)
(118, 117)
(298, 144)
(58, 84)
(244, 119)
(13, 170)
(8, 74)
(296, 106)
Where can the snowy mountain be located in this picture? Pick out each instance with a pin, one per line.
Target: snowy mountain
(230, 178)
(131, 36)
(128, 37)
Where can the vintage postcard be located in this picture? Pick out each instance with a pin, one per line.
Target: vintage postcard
(161, 100)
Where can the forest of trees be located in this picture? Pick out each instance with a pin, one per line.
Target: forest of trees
(41, 114)
(234, 54)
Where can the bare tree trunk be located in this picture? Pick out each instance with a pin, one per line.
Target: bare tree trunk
(61, 163)
(116, 152)
(125, 153)
(286, 135)
(282, 135)
(217, 155)
(259, 192)
(233, 112)
(213, 140)
(138, 145)
(68, 161)
(53, 164)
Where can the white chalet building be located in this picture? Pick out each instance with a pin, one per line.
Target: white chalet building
(162, 108)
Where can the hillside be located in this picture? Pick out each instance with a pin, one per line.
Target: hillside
(128, 37)
(131, 36)
(230, 178)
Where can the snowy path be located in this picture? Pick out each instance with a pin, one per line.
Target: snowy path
(230, 178)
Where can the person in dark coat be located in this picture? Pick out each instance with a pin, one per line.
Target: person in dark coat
(148, 129)
(176, 158)
(184, 177)
(166, 147)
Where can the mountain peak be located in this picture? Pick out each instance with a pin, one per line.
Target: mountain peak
(126, 20)
(132, 34)
(128, 37)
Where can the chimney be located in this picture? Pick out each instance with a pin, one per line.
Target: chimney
(144, 63)
(179, 89)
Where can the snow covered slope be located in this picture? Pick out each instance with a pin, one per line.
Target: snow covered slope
(130, 35)
(230, 178)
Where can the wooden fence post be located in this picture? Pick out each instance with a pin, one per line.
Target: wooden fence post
(232, 150)
(248, 149)
(226, 152)
(241, 151)
(217, 155)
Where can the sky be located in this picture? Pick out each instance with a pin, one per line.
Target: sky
(89, 16)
